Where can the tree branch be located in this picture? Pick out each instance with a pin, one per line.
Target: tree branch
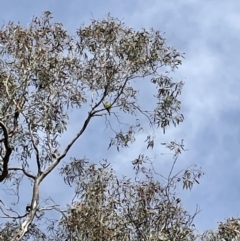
(7, 154)
(59, 158)
(23, 170)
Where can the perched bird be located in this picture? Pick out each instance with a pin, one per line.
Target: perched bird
(28, 208)
(107, 106)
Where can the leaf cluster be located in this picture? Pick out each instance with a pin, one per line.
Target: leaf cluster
(107, 207)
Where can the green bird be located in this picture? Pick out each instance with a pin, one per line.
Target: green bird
(107, 106)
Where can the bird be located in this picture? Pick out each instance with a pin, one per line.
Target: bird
(107, 106)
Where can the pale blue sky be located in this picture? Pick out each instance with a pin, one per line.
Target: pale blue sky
(209, 33)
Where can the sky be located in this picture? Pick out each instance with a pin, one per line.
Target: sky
(208, 32)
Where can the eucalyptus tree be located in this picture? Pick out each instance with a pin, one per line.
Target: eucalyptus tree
(46, 73)
(228, 230)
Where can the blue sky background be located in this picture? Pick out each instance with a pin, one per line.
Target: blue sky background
(209, 33)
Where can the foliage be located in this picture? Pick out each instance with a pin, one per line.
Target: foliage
(110, 208)
(230, 230)
(45, 75)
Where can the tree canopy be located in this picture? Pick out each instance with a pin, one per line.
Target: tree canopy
(46, 74)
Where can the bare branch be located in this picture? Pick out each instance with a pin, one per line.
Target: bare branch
(23, 170)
